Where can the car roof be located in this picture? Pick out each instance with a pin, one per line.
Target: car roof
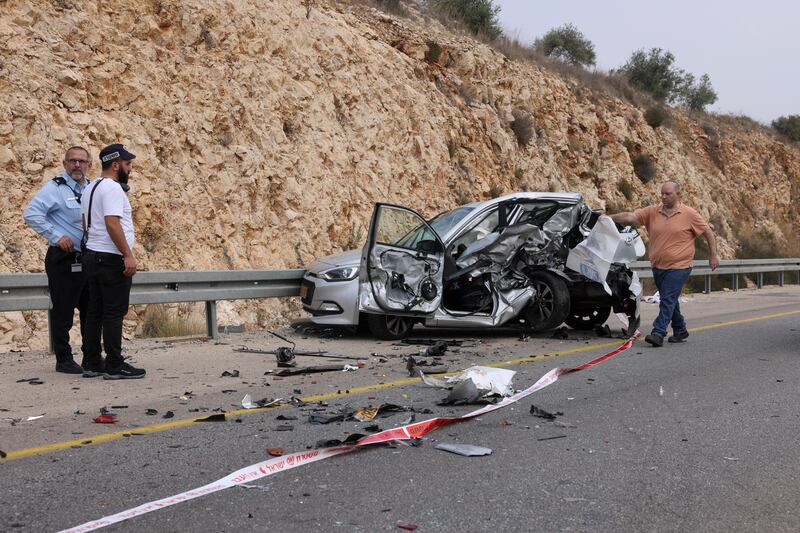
(572, 197)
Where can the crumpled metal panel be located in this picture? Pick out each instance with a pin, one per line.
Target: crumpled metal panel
(394, 291)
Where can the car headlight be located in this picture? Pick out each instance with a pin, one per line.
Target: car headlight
(339, 273)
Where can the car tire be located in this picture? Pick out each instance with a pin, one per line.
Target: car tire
(589, 318)
(390, 327)
(550, 307)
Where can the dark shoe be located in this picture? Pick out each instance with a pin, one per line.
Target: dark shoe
(68, 367)
(655, 340)
(93, 370)
(679, 337)
(124, 371)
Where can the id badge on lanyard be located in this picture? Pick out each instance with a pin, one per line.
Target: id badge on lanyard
(77, 267)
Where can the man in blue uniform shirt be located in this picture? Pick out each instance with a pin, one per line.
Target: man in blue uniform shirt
(55, 214)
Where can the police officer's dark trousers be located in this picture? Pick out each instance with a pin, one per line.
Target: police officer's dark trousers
(109, 292)
(67, 293)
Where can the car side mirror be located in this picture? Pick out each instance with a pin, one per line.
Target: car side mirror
(428, 246)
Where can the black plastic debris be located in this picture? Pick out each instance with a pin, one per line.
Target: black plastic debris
(325, 419)
(433, 342)
(374, 428)
(412, 365)
(284, 427)
(560, 333)
(79, 412)
(285, 417)
(350, 439)
(541, 413)
(231, 374)
(213, 418)
(27, 380)
(119, 406)
(438, 349)
(308, 370)
(3, 454)
(168, 414)
(151, 412)
(553, 438)
(467, 450)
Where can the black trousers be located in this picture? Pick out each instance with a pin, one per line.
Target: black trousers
(109, 292)
(67, 292)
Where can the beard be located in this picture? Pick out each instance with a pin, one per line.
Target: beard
(77, 175)
(122, 176)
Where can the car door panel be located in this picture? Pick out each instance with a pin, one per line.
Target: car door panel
(401, 264)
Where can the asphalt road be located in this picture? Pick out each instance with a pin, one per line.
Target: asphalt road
(699, 436)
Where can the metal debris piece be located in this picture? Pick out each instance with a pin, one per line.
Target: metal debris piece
(308, 370)
(326, 419)
(231, 374)
(284, 427)
(248, 403)
(467, 450)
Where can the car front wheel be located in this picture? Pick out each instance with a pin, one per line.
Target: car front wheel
(390, 327)
(550, 306)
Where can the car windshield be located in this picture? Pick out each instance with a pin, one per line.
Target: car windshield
(441, 224)
(444, 222)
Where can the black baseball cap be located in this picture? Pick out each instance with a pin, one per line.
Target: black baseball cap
(112, 152)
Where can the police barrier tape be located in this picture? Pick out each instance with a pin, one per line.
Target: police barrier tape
(293, 460)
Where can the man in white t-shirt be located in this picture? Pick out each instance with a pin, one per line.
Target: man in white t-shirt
(109, 264)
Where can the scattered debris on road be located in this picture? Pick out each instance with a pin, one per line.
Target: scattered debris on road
(105, 419)
(467, 450)
(541, 413)
(248, 403)
(473, 385)
(213, 418)
(275, 452)
(231, 374)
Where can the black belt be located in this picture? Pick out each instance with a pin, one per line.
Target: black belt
(103, 255)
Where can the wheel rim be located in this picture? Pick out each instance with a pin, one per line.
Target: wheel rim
(544, 304)
(397, 324)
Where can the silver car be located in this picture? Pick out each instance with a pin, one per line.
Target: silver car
(495, 263)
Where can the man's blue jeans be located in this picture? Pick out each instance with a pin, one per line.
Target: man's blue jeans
(670, 284)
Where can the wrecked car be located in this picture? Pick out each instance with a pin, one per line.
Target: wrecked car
(531, 259)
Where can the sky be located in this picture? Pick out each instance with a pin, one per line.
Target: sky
(750, 49)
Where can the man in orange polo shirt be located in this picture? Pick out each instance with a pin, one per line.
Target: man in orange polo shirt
(672, 227)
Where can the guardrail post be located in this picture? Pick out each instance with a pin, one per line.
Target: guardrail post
(211, 320)
(50, 341)
(780, 278)
(707, 284)
(736, 282)
(760, 280)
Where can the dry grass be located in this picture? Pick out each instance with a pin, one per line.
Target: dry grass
(161, 320)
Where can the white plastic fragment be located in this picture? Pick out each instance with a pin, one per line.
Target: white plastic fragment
(467, 450)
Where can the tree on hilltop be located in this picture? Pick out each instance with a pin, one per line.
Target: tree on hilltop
(480, 16)
(654, 72)
(567, 44)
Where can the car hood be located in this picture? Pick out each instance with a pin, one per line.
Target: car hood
(349, 258)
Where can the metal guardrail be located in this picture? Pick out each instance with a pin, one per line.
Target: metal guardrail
(27, 292)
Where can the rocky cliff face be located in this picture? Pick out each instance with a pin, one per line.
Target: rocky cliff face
(264, 137)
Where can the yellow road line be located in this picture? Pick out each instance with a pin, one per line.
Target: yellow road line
(106, 437)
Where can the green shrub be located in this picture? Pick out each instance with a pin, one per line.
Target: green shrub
(656, 116)
(567, 44)
(518, 173)
(480, 16)
(522, 126)
(644, 168)
(451, 148)
(602, 142)
(495, 191)
(654, 72)
(162, 321)
(433, 52)
(696, 95)
(625, 187)
(789, 126)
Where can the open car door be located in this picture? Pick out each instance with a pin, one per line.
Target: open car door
(401, 265)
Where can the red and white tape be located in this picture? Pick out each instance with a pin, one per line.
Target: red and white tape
(293, 460)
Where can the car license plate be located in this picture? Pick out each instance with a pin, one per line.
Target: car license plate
(303, 291)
